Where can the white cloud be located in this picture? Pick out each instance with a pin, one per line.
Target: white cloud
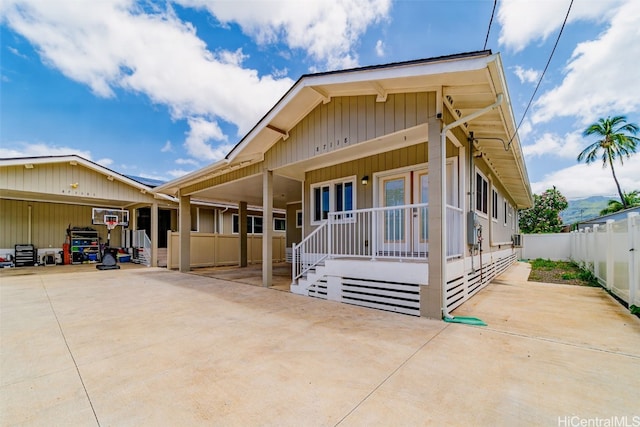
(524, 21)
(525, 129)
(199, 136)
(529, 75)
(326, 30)
(117, 45)
(567, 147)
(600, 77)
(380, 48)
(187, 162)
(106, 162)
(177, 173)
(16, 52)
(166, 147)
(582, 180)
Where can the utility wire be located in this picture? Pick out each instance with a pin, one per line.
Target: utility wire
(533, 95)
(486, 39)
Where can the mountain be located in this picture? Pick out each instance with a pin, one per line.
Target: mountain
(583, 209)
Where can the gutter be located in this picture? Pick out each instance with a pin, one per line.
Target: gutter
(443, 206)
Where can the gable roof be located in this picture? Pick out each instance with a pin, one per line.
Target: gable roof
(468, 82)
(74, 160)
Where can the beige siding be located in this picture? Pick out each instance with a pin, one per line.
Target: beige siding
(206, 220)
(407, 156)
(346, 121)
(294, 234)
(209, 250)
(49, 222)
(56, 179)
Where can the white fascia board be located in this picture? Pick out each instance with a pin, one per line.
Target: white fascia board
(402, 71)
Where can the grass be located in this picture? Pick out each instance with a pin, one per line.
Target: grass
(563, 272)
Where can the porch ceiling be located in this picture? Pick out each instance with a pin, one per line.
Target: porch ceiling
(285, 190)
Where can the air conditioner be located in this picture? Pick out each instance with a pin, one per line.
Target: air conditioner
(517, 240)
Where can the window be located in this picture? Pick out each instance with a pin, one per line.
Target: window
(494, 204)
(254, 224)
(506, 212)
(299, 218)
(482, 189)
(335, 196)
(279, 224)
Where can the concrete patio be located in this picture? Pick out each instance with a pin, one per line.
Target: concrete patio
(150, 347)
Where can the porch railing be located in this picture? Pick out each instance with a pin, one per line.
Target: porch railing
(310, 252)
(394, 232)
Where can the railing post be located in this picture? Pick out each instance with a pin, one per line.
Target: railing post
(293, 263)
(634, 273)
(610, 255)
(329, 236)
(374, 235)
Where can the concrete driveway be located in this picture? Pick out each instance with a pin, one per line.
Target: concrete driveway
(151, 347)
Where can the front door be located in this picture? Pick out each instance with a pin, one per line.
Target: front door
(394, 224)
(403, 232)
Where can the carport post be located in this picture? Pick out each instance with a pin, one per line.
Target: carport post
(154, 235)
(185, 233)
(242, 228)
(267, 228)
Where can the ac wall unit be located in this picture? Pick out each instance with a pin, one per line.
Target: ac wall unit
(517, 240)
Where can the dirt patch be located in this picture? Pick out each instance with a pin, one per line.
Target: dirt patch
(566, 273)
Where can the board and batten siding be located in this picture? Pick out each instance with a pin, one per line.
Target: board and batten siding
(395, 159)
(49, 223)
(346, 121)
(56, 179)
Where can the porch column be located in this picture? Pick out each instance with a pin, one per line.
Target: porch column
(242, 230)
(154, 235)
(431, 295)
(267, 228)
(185, 233)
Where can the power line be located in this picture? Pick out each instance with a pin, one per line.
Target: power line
(486, 39)
(542, 75)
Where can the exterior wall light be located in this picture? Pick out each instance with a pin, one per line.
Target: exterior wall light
(365, 180)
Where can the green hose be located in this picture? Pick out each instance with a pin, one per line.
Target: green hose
(465, 320)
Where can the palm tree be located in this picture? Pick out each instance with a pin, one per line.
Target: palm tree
(616, 141)
(632, 199)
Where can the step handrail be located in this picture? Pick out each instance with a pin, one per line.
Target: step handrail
(310, 252)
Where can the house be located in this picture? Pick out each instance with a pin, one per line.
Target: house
(601, 220)
(43, 198)
(406, 179)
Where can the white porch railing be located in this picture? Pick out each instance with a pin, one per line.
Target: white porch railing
(394, 232)
(142, 242)
(310, 252)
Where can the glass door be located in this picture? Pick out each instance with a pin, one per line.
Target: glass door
(420, 215)
(394, 224)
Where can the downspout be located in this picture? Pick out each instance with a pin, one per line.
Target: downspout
(443, 205)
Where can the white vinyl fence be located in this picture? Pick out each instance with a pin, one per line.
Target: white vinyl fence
(612, 253)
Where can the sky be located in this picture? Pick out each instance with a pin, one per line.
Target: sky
(157, 89)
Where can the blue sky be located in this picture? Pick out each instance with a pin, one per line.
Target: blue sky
(159, 89)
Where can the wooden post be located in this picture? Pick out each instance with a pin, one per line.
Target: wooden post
(185, 233)
(242, 228)
(267, 228)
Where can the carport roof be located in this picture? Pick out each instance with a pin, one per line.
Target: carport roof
(468, 81)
